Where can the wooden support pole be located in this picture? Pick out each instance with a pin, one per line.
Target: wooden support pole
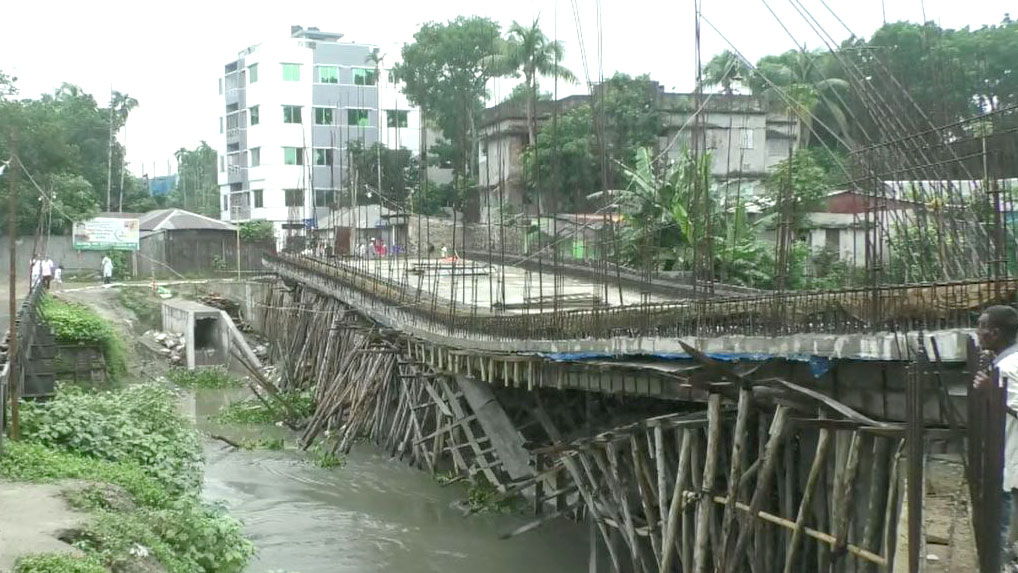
(815, 470)
(671, 526)
(735, 471)
(763, 481)
(704, 510)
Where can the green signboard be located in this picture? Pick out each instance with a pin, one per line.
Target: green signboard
(107, 234)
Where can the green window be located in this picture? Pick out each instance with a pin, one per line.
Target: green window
(396, 118)
(293, 156)
(357, 117)
(253, 112)
(364, 77)
(259, 200)
(252, 73)
(220, 86)
(323, 156)
(291, 114)
(294, 197)
(291, 72)
(256, 156)
(323, 116)
(327, 74)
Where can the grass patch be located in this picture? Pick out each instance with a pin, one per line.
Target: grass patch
(58, 563)
(74, 323)
(255, 412)
(143, 303)
(210, 377)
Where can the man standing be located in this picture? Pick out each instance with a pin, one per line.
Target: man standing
(47, 272)
(36, 272)
(998, 335)
(107, 269)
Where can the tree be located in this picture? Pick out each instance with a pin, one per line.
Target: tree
(444, 71)
(398, 171)
(197, 185)
(725, 70)
(528, 51)
(567, 158)
(805, 84)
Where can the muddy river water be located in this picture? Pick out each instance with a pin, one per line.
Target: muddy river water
(371, 514)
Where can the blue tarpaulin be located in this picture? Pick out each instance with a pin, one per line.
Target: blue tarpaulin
(159, 186)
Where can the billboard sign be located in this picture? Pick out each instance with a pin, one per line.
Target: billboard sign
(107, 233)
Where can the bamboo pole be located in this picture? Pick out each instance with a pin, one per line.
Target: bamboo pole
(819, 459)
(704, 509)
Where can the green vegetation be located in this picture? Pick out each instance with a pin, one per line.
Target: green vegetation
(139, 424)
(144, 303)
(257, 230)
(209, 377)
(144, 460)
(256, 412)
(74, 323)
(484, 497)
(58, 563)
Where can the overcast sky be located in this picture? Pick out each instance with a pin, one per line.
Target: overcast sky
(168, 55)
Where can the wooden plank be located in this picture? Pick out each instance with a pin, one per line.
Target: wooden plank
(504, 436)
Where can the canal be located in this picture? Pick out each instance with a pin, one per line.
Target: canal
(371, 514)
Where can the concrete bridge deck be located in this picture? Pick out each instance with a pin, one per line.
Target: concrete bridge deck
(879, 324)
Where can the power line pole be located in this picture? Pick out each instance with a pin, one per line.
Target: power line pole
(12, 344)
(109, 162)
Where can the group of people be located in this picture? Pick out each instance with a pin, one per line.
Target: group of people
(44, 271)
(377, 248)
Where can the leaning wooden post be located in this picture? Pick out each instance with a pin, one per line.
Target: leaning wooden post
(819, 459)
(675, 509)
(706, 490)
(763, 481)
(735, 470)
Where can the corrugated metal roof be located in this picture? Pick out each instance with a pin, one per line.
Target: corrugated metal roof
(179, 219)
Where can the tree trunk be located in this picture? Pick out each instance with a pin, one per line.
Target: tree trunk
(531, 110)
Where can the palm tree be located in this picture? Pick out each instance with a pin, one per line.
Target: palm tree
(725, 70)
(804, 82)
(528, 51)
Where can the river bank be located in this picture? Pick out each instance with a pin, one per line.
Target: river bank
(370, 513)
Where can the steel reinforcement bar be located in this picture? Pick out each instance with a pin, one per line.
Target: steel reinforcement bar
(901, 308)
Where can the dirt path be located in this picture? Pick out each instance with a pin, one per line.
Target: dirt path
(50, 517)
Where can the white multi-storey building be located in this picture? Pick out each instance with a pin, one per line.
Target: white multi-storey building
(291, 109)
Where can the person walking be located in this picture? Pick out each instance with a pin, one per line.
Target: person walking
(58, 275)
(107, 269)
(47, 272)
(35, 274)
(997, 331)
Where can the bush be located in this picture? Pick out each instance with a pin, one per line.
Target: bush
(257, 230)
(74, 323)
(212, 377)
(139, 424)
(58, 563)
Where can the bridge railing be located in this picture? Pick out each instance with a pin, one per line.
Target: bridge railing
(858, 310)
(14, 369)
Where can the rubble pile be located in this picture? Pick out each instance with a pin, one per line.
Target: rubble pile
(172, 345)
(225, 304)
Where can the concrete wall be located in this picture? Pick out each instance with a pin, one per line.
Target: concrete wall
(60, 249)
(252, 297)
(188, 317)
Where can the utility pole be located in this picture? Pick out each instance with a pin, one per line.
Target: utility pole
(13, 378)
(109, 162)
